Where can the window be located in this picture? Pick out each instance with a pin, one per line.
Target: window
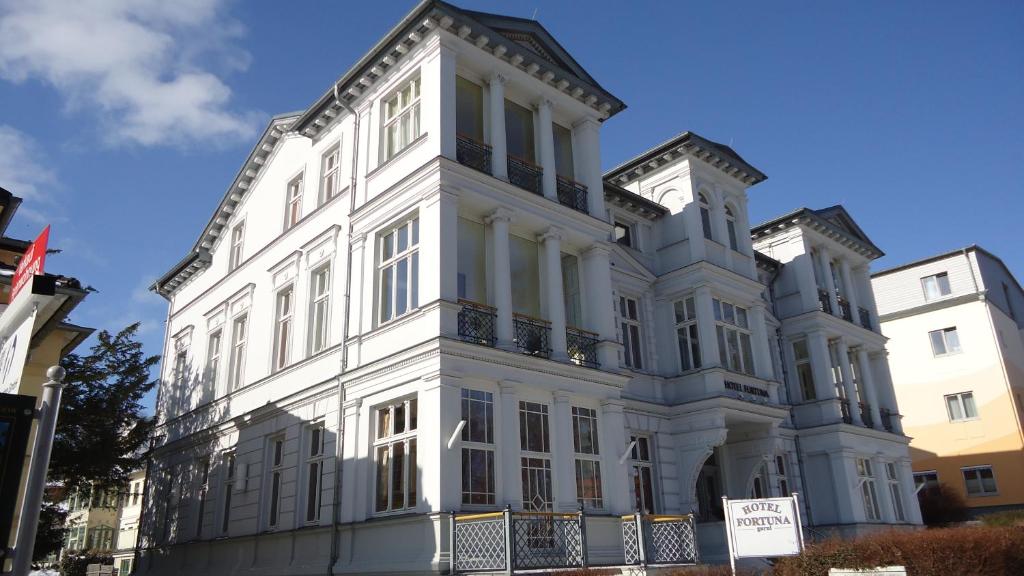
(730, 223)
(320, 288)
(100, 538)
(643, 474)
(945, 341)
(329, 168)
(535, 460)
(961, 406)
(783, 478)
(892, 476)
(125, 568)
(275, 470)
(229, 487)
(399, 270)
(631, 342)
(588, 461)
(686, 333)
(401, 118)
(395, 448)
(935, 286)
(733, 333)
(136, 493)
(571, 290)
(759, 488)
(314, 471)
(1009, 301)
(867, 489)
(239, 333)
(519, 138)
(283, 326)
(213, 358)
(180, 363)
(469, 109)
(980, 481)
(705, 215)
(804, 372)
(477, 447)
(623, 234)
(293, 203)
(563, 151)
(204, 488)
(237, 237)
(925, 479)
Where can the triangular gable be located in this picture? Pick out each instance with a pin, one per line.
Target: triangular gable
(626, 263)
(838, 216)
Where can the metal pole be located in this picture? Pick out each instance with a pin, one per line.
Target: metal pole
(728, 533)
(799, 521)
(451, 541)
(37, 471)
(641, 539)
(581, 518)
(510, 557)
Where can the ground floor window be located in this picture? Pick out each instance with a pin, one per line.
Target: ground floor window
(980, 481)
(925, 479)
(892, 475)
(537, 493)
(780, 471)
(643, 474)
(395, 454)
(867, 489)
(125, 568)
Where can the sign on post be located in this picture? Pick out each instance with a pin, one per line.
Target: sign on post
(763, 528)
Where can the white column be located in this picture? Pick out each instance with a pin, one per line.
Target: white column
(759, 333)
(616, 490)
(694, 228)
(597, 294)
(510, 479)
(824, 263)
(863, 275)
(563, 459)
(821, 365)
(850, 290)
(842, 351)
(352, 490)
(554, 300)
(546, 144)
(502, 263)
(709, 353)
(499, 154)
(439, 228)
(867, 382)
(844, 474)
(586, 135)
(446, 93)
(439, 467)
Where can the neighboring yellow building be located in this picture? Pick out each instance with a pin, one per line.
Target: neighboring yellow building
(52, 335)
(129, 513)
(956, 351)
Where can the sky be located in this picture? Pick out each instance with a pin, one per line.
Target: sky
(123, 122)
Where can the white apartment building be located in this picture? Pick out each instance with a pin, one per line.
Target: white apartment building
(128, 514)
(421, 295)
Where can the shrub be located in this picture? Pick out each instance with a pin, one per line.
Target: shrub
(1008, 518)
(941, 505)
(76, 564)
(967, 551)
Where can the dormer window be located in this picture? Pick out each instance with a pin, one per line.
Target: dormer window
(705, 215)
(730, 222)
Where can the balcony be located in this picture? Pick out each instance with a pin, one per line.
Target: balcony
(532, 335)
(477, 323)
(844, 406)
(524, 174)
(823, 301)
(886, 415)
(581, 346)
(572, 194)
(469, 152)
(865, 415)
(865, 318)
(844, 309)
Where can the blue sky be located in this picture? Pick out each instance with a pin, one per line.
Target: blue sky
(121, 123)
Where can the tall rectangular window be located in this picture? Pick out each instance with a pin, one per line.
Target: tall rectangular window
(643, 474)
(275, 471)
(314, 471)
(399, 270)
(588, 460)
(469, 109)
(782, 475)
(401, 118)
(961, 406)
(329, 183)
(237, 238)
(283, 326)
(895, 494)
(293, 203)
(632, 344)
(869, 496)
(535, 458)
(519, 137)
(204, 488)
(705, 216)
(229, 487)
(980, 481)
(804, 372)
(239, 335)
(686, 333)
(733, 333)
(320, 299)
(563, 151)
(945, 341)
(478, 447)
(1009, 301)
(935, 286)
(395, 450)
(213, 358)
(180, 364)
(571, 290)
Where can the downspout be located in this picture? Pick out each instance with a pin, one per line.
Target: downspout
(338, 450)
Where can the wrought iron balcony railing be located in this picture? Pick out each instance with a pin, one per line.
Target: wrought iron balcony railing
(844, 406)
(865, 415)
(470, 152)
(581, 346)
(477, 323)
(572, 194)
(844, 309)
(886, 415)
(532, 335)
(865, 318)
(524, 174)
(824, 304)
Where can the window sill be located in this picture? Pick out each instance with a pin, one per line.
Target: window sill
(964, 420)
(398, 156)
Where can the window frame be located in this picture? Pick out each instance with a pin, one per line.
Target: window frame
(408, 439)
(638, 465)
(947, 349)
(587, 458)
(330, 182)
(730, 226)
(274, 480)
(202, 493)
(705, 216)
(320, 328)
(284, 322)
(237, 246)
(799, 363)
(214, 352)
(925, 480)
(389, 261)
(315, 457)
(687, 329)
(868, 490)
(978, 470)
(535, 466)
(229, 462)
(962, 406)
(408, 112)
(631, 325)
(940, 281)
(629, 234)
(724, 326)
(293, 201)
(892, 478)
(239, 348)
(472, 443)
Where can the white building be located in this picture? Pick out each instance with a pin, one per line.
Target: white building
(433, 241)
(128, 514)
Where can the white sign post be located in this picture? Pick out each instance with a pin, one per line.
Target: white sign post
(762, 528)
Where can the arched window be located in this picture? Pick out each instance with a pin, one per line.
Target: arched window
(730, 222)
(705, 215)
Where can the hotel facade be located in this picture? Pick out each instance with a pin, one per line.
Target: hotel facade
(421, 295)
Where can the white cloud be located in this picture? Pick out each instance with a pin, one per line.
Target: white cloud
(25, 173)
(144, 66)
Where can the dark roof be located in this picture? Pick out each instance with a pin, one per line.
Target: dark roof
(626, 197)
(719, 155)
(834, 218)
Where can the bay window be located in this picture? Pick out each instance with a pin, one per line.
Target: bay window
(687, 334)
(478, 447)
(733, 334)
(395, 453)
(399, 270)
(401, 116)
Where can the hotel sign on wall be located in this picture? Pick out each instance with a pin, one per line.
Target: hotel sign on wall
(763, 527)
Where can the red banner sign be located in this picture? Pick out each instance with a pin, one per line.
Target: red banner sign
(31, 263)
